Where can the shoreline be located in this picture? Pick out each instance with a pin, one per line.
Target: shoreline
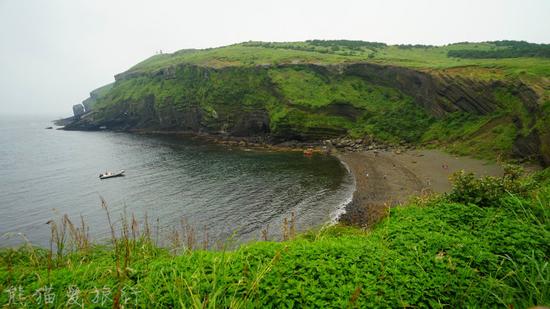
(384, 175)
(388, 178)
(269, 142)
(342, 207)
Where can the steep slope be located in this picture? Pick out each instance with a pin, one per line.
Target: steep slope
(321, 89)
(95, 95)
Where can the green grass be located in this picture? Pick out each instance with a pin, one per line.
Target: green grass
(426, 57)
(237, 55)
(531, 70)
(544, 128)
(491, 136)
(103, 90)
(309, 88)
(300, 101)
(301, 89)
(374, 110)
(432, 253)
(478, 136)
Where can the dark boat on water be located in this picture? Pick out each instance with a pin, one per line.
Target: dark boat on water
(111, 174)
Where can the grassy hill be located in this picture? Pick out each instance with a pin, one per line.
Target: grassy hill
(333, 52)
(441, 96)
(484, 245)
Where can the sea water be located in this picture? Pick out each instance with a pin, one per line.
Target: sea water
(224, 192)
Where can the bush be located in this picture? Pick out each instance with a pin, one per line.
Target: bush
(488, 191)
(508, 49)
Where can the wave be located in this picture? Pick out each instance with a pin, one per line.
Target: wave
(341, 208)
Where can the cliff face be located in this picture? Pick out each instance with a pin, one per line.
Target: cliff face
(78, 110)
(441, 94)
(312, 102)
(189, 101)
(96, 95)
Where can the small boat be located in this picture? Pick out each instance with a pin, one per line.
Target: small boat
(308, 152)
(49, 128)
(111, 174)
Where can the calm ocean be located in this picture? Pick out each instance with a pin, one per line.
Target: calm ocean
(229, 192)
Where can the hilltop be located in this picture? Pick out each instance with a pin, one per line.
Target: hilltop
(489, 99)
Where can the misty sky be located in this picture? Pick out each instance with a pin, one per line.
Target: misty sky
(53, 52)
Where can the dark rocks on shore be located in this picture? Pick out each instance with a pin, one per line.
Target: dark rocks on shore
(368, 143)
(64, 121)
(344, 143)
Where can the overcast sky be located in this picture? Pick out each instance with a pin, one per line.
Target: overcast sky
(53, 52)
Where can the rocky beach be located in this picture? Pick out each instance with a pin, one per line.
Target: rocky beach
(386, 178)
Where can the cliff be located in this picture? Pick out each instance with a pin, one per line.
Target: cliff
(96, 95)
(278, 92)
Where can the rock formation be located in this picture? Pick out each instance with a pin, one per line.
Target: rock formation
(78, 110)
(187, 99)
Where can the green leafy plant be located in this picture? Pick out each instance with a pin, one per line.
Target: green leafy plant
(487, 191)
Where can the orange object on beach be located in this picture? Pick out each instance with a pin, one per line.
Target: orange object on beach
(308, 152)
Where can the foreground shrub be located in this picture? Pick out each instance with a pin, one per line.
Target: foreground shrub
(487, 191)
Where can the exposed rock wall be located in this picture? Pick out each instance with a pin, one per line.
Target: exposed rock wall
(441, 94)
(89, 103)
(165, 73)
(95, 95)
(437, 92)
(78, 110)
(145, 114)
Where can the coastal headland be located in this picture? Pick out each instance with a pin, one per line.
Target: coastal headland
(436, 96)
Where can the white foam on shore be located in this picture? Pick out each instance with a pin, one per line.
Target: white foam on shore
(341, 208)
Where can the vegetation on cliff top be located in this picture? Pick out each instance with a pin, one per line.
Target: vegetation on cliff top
(343, 51)
(490, 60)
(297, 90)
(505, 49)
(484, 245)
